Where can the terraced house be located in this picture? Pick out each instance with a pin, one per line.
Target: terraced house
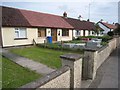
(81, 28)
(22, 27)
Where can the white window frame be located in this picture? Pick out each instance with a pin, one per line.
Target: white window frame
(18, 30)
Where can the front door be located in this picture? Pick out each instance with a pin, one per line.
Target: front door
(54, 34)
(83, 32)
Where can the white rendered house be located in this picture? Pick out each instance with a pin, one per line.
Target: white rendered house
(106, 27)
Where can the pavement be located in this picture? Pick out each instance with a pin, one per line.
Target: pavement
(107, 74)
(27, 63)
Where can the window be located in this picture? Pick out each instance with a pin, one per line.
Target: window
(20, 33)
(93, 32)
(89, 33)
(77, 33)
(65, 32)
(41, 32)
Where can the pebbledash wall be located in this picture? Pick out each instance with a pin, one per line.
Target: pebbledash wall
(56, 79)
(8, 36)
(93, 58)
(75, 68)
(68, 76)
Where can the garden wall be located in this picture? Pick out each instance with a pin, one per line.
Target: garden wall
(68, 76)
(57, 79)
(93, 58)
(61, 79)
(75, 68)
(104, 52)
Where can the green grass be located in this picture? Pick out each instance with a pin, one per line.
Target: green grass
(14, 76)
(49, 57)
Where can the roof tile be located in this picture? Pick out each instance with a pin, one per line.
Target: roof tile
(19, 17)
(111, 26)
(80, 25)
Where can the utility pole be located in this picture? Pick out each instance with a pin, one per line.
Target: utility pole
(89, 12)
(119, 12)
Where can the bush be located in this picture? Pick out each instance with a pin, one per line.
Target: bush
(110, 33)
(105, 38)
(104, 43)
(117, 30)
(81, 37)
(60, 48)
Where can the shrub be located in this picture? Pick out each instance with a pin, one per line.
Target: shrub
(60, 48)
(104, 43)
(110, 33)
(105, 38)
(117, 30)
(81, 37)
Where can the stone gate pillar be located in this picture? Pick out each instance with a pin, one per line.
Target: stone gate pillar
(74, 61)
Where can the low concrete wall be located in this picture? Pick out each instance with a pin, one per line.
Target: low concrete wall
(68, 76)
(93, 58)
(57, 79)
(104, 52)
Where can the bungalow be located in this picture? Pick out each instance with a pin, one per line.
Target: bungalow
(81, 28)
(22, 27)
(106, 27)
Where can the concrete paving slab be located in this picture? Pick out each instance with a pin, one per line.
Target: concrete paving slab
(27, 63)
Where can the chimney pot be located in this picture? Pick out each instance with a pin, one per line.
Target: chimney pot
(65, 14)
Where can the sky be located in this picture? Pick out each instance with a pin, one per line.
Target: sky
(106, 10)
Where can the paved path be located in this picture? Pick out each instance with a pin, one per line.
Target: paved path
(107, 74)
(25, 62)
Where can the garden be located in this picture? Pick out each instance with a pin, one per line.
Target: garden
(48, 54)
(80, 40)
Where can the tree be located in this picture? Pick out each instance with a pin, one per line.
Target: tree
(110, 33)
(117, 30)
(98, 30)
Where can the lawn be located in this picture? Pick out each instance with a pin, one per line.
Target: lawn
(14, 76)
(49, 57)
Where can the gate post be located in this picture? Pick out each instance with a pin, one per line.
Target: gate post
(74, 61)
(89, 61)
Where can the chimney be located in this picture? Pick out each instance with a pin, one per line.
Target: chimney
(80, 17)
(101, 20)
(88, 20)
(65, 15)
